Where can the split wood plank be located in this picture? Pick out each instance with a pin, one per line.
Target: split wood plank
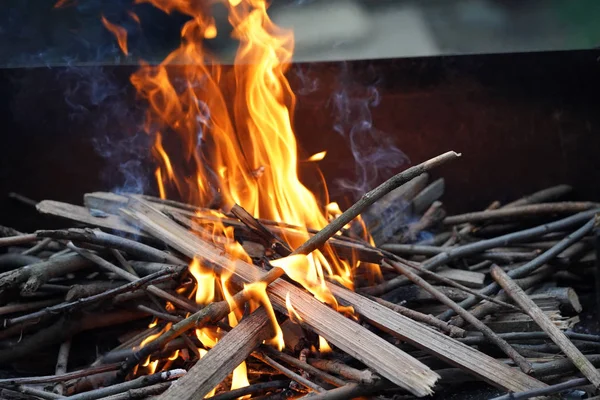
(349, 336)
(467, 278)
(84, 216)
(557, 336)
(221, 360)
(454, 352)
(111, 203)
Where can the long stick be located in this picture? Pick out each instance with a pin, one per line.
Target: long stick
(428, 319)
(528, 210)
(529, 306)
(371, 197)
(35, 380)
(304, 366)
(559, 387)
(289, 373)
(94, 236)
(457, 285)
(61, 364)
(134, 384)
(477, 247)
(108, 266)
(254, 389)
(349, 391)
(222, 359)
(83, 302)
(480, 326)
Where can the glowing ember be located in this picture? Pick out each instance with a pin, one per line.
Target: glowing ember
(318, 156)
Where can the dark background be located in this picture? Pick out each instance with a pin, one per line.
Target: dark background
(522, 121)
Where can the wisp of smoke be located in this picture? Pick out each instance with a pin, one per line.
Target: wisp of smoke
(375, 154)
(94, 94)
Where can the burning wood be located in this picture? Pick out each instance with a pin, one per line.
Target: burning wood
(214, 345)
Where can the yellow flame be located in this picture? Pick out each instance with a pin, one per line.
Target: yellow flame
(152, 367)
(324, 346)
(174, 355)
(210, 32)
(153, 336)
(317, 156)
(298, 268)
(258, 291)
(208, 336)
(239, 378)
(159, 181)
(205, 282)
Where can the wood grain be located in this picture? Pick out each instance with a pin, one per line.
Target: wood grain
(84, 216)
(222, 359)
(473, 361)
(350, 337)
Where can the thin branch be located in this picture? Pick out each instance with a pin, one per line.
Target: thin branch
(531, 266)
(61, 364)
(133, 384)
(304, 366)
(529, 307)
(85, 301)
(254, 389)
(288, 372)
(552, 389)
(369, 198)
(504, 240)
(480, 326)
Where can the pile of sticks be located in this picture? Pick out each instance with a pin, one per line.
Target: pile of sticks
(490, 296)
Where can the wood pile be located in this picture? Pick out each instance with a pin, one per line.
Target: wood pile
(489, 296)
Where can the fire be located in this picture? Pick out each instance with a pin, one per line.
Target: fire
(205, 282)
(323, 345)
(258, 291)
(294, 316)
(317, 156)
(223, 136)
(119, 32)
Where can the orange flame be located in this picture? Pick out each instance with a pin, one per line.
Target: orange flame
(230, 140)
(65, 3)
(119, 32)
(134, 17)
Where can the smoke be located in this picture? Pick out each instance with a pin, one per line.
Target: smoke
(100, 101)
(306, 83)
(375, 154)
